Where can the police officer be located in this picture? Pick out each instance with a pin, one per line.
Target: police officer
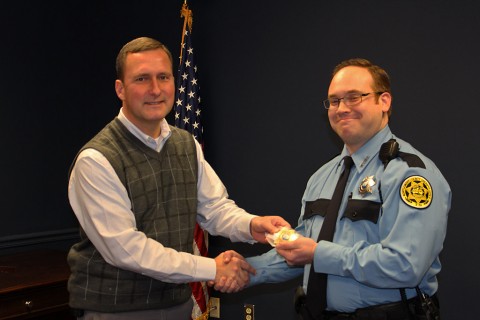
(383, 260)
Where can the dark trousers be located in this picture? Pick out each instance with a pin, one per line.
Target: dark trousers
(411, 310)
(180, 312)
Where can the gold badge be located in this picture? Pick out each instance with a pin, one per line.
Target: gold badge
(416, 192)
(366, 185)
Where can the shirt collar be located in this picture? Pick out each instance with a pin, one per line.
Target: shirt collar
(369, 150)
(153, 143)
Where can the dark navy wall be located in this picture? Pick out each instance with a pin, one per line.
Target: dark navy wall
(268, 67)
(264, 69)
(56, 91)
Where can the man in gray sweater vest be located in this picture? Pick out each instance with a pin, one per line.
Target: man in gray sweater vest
(137, 189)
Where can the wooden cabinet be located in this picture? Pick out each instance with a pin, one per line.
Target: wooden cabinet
(33, 285)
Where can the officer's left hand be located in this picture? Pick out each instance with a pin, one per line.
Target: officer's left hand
(298, 252)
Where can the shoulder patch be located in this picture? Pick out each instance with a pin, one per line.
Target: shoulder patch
(416, 192)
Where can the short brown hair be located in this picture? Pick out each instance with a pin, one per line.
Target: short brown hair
(138, 45)
(381, 79)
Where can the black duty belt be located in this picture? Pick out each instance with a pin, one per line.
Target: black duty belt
(389, 311)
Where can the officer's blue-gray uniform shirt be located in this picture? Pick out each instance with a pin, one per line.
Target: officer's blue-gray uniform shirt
(369, 260)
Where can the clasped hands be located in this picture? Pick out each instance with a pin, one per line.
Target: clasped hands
(233, 272)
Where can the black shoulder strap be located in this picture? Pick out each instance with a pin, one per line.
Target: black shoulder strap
(411, 159)
(391, 150)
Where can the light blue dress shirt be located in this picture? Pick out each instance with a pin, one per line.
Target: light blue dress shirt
(368, 262)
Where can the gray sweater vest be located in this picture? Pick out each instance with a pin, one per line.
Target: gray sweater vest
(163, 191)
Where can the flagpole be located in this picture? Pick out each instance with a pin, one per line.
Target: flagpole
(187, 83)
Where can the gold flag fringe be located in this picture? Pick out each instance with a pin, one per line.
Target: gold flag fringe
(206, 314)
(188, 19)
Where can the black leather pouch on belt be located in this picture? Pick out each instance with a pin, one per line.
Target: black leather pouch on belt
(299, 299)
(300, 304)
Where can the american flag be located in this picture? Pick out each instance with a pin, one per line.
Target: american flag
(187, 116)
(188, 106)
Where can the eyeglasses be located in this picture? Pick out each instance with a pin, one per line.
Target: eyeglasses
(350, 100)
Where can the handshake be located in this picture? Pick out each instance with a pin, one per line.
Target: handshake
(233, 271)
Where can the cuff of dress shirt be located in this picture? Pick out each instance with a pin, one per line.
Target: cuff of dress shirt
(244, 234)
(206, 268)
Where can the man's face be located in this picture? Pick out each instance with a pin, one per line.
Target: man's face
(147, 90)
(358, 123)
